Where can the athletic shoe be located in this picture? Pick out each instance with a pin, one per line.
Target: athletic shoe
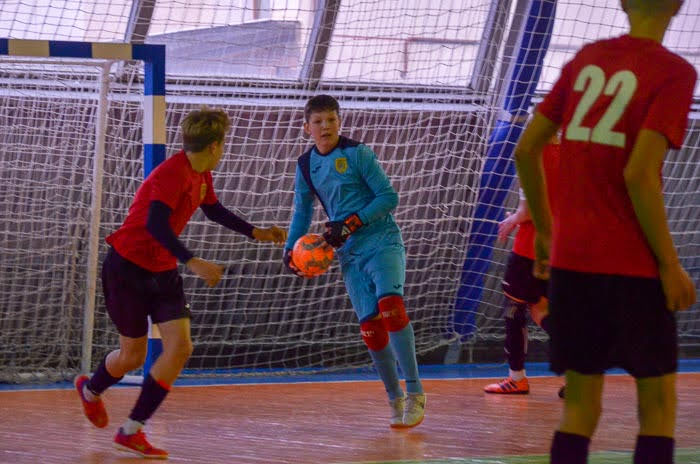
(509, 387)
(94, 410)
(414, 410)
(562, 391)
(397, 407)
(137, 443)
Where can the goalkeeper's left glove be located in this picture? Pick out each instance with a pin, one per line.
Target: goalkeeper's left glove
(339, 231)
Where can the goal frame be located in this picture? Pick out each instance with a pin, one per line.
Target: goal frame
(153, 139)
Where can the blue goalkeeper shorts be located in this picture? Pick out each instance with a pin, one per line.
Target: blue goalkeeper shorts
(376, 272)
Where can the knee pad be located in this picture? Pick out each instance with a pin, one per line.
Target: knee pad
(393, 313)
(517, 312)
(374, 334)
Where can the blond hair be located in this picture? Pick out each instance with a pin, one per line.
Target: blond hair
(202, 127)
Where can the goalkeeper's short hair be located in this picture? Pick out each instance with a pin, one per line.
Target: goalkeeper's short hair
(320, 103)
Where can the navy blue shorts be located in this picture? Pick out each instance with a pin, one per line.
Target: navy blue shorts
(604, 321)
(519, 284)
(132, 293)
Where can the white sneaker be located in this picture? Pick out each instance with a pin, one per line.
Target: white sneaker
(397, 407)
(414, 411)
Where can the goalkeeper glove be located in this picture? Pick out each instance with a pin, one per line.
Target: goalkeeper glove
(339, 231)
(289, 264)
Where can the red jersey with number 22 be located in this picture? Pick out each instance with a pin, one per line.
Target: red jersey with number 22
(609, 92)
(183, 189)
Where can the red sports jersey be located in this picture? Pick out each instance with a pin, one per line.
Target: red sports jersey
(524, 242)
(183, 189)
(609, 92)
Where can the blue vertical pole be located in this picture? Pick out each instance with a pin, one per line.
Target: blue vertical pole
(498, 171)
(153, 147)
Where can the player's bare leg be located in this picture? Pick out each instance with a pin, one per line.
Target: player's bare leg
(656, 403)
(583, 404)
(582, 408)
(177, 348)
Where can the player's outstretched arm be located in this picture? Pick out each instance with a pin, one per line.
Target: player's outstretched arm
(273, 234)
(645, 191)
(221, 215)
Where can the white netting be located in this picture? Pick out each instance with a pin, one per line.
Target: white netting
(402, 71)
(47, 123)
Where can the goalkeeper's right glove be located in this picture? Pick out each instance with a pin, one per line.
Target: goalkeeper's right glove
(337, 232)
(289, 264)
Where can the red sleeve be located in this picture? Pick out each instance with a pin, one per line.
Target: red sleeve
(668, 113)
(166, 185)
(210, 198)
(553, 105)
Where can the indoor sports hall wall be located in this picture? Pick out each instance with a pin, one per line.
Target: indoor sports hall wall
(421, 82)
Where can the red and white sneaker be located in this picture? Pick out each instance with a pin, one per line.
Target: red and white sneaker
(94, 410)
(137, 443)
(509, 387)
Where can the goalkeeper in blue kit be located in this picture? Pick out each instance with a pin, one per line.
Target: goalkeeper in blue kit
(358, 199)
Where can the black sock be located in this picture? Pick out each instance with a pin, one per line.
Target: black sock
(101, 380)
(152, 395)
(653, 450)
(569, 448)
(516, 324)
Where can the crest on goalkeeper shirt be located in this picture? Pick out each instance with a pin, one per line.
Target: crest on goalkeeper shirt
(341, 165)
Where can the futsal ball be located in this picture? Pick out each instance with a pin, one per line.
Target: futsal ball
(312, 255)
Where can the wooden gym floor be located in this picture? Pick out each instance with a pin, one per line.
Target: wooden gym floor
(331, 423)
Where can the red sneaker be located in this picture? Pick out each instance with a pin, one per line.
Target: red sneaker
(137, 443)
(94, 410)
(509, 387)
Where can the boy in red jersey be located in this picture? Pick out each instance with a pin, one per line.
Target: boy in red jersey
(140, 276)
(616, 278)
(521, 288)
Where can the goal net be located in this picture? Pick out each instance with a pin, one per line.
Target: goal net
(416, 83)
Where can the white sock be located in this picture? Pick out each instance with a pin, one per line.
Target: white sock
(130, 427)
(88, 395)
(516, 375)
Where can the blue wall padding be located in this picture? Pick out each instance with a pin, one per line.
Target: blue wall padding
(499, 172)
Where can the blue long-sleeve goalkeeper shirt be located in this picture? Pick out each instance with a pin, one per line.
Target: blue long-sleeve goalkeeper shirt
(348, 180)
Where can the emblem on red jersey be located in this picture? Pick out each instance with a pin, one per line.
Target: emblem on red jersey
(202, 191)
(341, 165)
